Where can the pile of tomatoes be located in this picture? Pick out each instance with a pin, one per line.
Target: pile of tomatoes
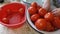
(43, 19)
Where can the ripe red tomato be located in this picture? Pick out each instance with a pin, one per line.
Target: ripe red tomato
(49, 27)
(41, 24)
(56, 22)
(21, 11)
(34, 4)
(34, 17)
(42, 12)
(38, 7)
(49, 16)
(32, 10)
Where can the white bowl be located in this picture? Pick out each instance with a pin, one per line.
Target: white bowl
(34, 27)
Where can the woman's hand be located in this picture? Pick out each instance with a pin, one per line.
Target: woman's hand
(56, 11)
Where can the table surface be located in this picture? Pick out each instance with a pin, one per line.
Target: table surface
(25, 29)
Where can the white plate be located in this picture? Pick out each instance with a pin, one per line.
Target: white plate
(33, 26)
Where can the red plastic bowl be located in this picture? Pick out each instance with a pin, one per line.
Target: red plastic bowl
(10, 16)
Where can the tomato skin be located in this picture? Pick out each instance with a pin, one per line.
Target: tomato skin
(34, 17)
(38, 7)
(56, 22)
(49, 16)
(34, 4)
(42, 12)
(32, 10)
(41, 24)
(49, 27)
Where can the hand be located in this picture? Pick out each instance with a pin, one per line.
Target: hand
(46, 4)
(56, 11)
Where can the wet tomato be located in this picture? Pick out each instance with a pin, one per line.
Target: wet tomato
(49, 16)
(38, 7)
(42, 12)
(34, 17)
(49, 27)
(34, 4)
(32, 10)
(56, 22)
(41, 24)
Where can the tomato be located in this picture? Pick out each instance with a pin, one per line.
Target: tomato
(32, 10)
(34, 17)
(49, 27)
(21, 11)
(41, 24)
(42, 12)
(34, 4)
(49, 16)
(56, 22)
(38, 7)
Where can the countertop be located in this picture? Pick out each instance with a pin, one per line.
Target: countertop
(25, 29)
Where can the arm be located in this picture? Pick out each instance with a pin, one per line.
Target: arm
(46, 4)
